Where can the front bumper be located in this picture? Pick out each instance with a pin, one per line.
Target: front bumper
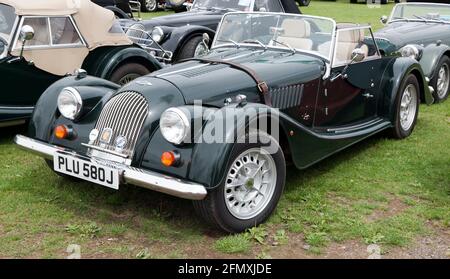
(142, 178)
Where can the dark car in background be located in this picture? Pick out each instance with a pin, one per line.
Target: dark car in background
(421, 30)
(180, 35)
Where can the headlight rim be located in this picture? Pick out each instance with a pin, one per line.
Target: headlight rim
(161, 34)
(417, 51)
(184, 120)
(77, 98)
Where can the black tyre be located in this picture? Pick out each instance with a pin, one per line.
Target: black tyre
(190, 48)
(149, 6)
(253, 185)
(128, 72)
(407, 108)
(441, 80)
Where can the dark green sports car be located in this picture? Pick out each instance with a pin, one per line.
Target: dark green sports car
(219, 129)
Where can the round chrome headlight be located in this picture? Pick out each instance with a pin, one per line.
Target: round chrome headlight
(411, 51)
(157, 34)
(69, 103)
(175, 125)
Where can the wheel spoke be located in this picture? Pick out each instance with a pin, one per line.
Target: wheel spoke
(250, 184)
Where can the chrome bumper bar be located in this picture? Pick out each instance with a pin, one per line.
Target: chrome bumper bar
(142, 178)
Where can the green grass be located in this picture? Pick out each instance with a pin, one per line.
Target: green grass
(233, 244)
(381, 191)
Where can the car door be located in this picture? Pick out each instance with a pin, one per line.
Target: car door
(349, 95)
(56, 49)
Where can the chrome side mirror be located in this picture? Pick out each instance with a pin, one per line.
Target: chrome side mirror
(26, 33)
(206, 39)
(358, 55)
(188, 5)
(384, 19)
(205, 48)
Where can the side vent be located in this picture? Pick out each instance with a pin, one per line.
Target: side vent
(287, 96)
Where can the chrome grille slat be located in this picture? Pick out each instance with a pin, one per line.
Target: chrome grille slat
(125, 115)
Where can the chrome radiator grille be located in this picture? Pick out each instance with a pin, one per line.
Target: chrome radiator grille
(123, 117)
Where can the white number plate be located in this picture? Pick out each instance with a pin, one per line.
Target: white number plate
(86, 170)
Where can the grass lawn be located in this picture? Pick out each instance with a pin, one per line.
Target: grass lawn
(395, 194)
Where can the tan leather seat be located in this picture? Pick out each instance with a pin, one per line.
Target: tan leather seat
(296, 34)
(348, 40)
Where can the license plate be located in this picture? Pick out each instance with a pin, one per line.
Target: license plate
(86, 170)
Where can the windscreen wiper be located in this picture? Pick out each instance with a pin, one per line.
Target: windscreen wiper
(286, 45)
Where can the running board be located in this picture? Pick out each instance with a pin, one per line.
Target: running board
(353, 128)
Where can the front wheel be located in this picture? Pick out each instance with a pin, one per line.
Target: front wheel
(128, 72)
(251, 190)
(407, 108)
(441, 80)
(193, 47)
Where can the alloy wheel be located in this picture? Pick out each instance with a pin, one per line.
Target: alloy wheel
(128, 78)
(250, 183)
(408, 107)
(443, 81)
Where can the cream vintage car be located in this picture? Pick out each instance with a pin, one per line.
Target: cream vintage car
(42, 41)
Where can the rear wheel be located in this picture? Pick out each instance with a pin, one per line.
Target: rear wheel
(149, 6)
(252, 188)
(128, 72)
(407, 108)
(441, 80)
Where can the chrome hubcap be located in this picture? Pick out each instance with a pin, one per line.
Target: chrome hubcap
(250, 183)
(150, 4)
(128, 78)
(443, 81)
(200, 49)
(408, 107)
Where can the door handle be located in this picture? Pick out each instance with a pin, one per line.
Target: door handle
(368, 95)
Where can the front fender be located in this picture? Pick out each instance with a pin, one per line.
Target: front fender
(180, 35)
(211, 159)
(104, 61)
(430, 58)
(393, 78)
(46, 110)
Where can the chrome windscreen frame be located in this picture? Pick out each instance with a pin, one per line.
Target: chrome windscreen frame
(390, 20)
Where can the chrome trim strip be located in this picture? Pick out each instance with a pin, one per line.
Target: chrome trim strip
(142, 178)
(104, 150)
(15, 108)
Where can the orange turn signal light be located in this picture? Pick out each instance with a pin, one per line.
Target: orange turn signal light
(62, 132)
(169, 159)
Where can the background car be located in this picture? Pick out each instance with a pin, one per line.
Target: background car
(422, 30)
(122, 8)
(37, 49)
(154, 5)
(324, 86)
(181, 34)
